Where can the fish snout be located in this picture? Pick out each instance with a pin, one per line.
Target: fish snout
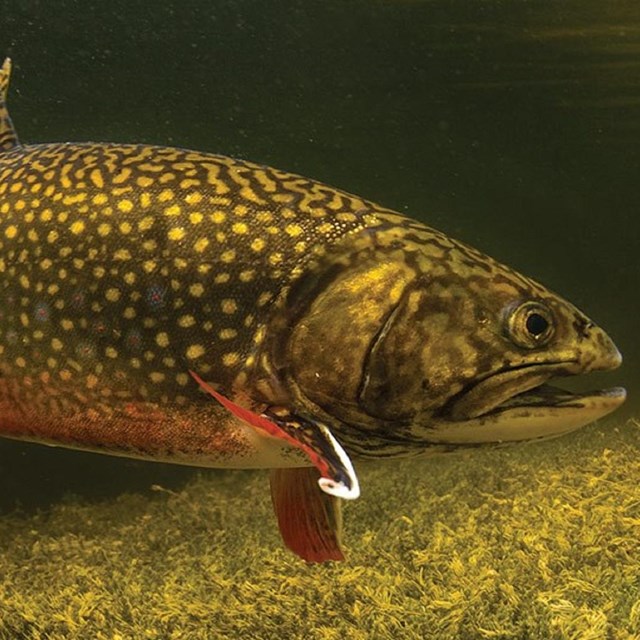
(598, 352)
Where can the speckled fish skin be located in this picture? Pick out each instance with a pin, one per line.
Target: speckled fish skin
(125, 267)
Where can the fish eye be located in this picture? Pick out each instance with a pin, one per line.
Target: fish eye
(536, 324)
(531, 325)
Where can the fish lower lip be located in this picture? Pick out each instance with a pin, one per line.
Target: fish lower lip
(498, 388)
(542, 412)
(549, 396)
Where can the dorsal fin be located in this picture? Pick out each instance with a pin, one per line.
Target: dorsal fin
(8, 137)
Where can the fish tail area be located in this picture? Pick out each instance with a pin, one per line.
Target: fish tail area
(309, 519)
(8, 137)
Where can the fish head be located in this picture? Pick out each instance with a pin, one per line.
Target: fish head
(427, 340)
(468, 359)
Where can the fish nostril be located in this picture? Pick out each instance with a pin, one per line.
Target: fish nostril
(583, 327)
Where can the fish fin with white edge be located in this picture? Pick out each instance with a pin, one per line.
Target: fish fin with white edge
(310, 520)
(337, 475)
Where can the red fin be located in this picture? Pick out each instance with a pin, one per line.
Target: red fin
(310, 520)
(337, 476)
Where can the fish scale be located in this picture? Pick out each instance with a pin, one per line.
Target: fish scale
(189, 307)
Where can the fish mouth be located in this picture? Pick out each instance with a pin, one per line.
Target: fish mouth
(519, 404)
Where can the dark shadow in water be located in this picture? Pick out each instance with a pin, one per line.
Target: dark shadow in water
(36, 476)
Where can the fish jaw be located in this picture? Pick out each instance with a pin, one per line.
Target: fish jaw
(598, 353)
(540, 413)
(516, 403)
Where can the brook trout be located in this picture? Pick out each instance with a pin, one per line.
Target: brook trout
(192, 308)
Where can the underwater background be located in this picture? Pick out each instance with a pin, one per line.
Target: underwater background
(511, 125)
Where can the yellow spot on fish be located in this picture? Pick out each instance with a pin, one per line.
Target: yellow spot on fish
(204, 268)
(56, 344)
(227, 334)
(122, 176)
(176, 233)
(125, 227)
(218, 217)
(240, 228)
(196, 289)
(122, 254)
(111, 352)
(96, 177)
(259, 335)
(229, 359)
(186, 321)
(162, 339)
(247, 275)
(264, 298)
(112, 294)
(11, 231)
(144, 181)
(125, 206)
(229, 306)
(104, 229)
(194, 351)
(182, 379)
(100, 198)
(228, 256)
(145, 223)
(156, 376)
(201, 244)
(258, 244)
(92, 381)
(193, 198)
(293, 230)
(196, 217)
(173, 210)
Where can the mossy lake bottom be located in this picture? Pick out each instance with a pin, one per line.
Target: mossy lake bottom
(536, 540)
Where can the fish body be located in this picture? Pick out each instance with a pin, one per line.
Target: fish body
(139, 281)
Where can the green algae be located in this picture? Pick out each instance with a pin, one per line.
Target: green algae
(528, 541)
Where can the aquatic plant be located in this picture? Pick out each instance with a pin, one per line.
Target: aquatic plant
(534, 541)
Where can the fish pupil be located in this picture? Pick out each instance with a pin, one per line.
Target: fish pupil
(536, 324)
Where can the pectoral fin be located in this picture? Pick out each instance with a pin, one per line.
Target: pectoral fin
(310, 520)
(337, 476)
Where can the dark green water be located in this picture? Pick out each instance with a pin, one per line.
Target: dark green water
(512, 125)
